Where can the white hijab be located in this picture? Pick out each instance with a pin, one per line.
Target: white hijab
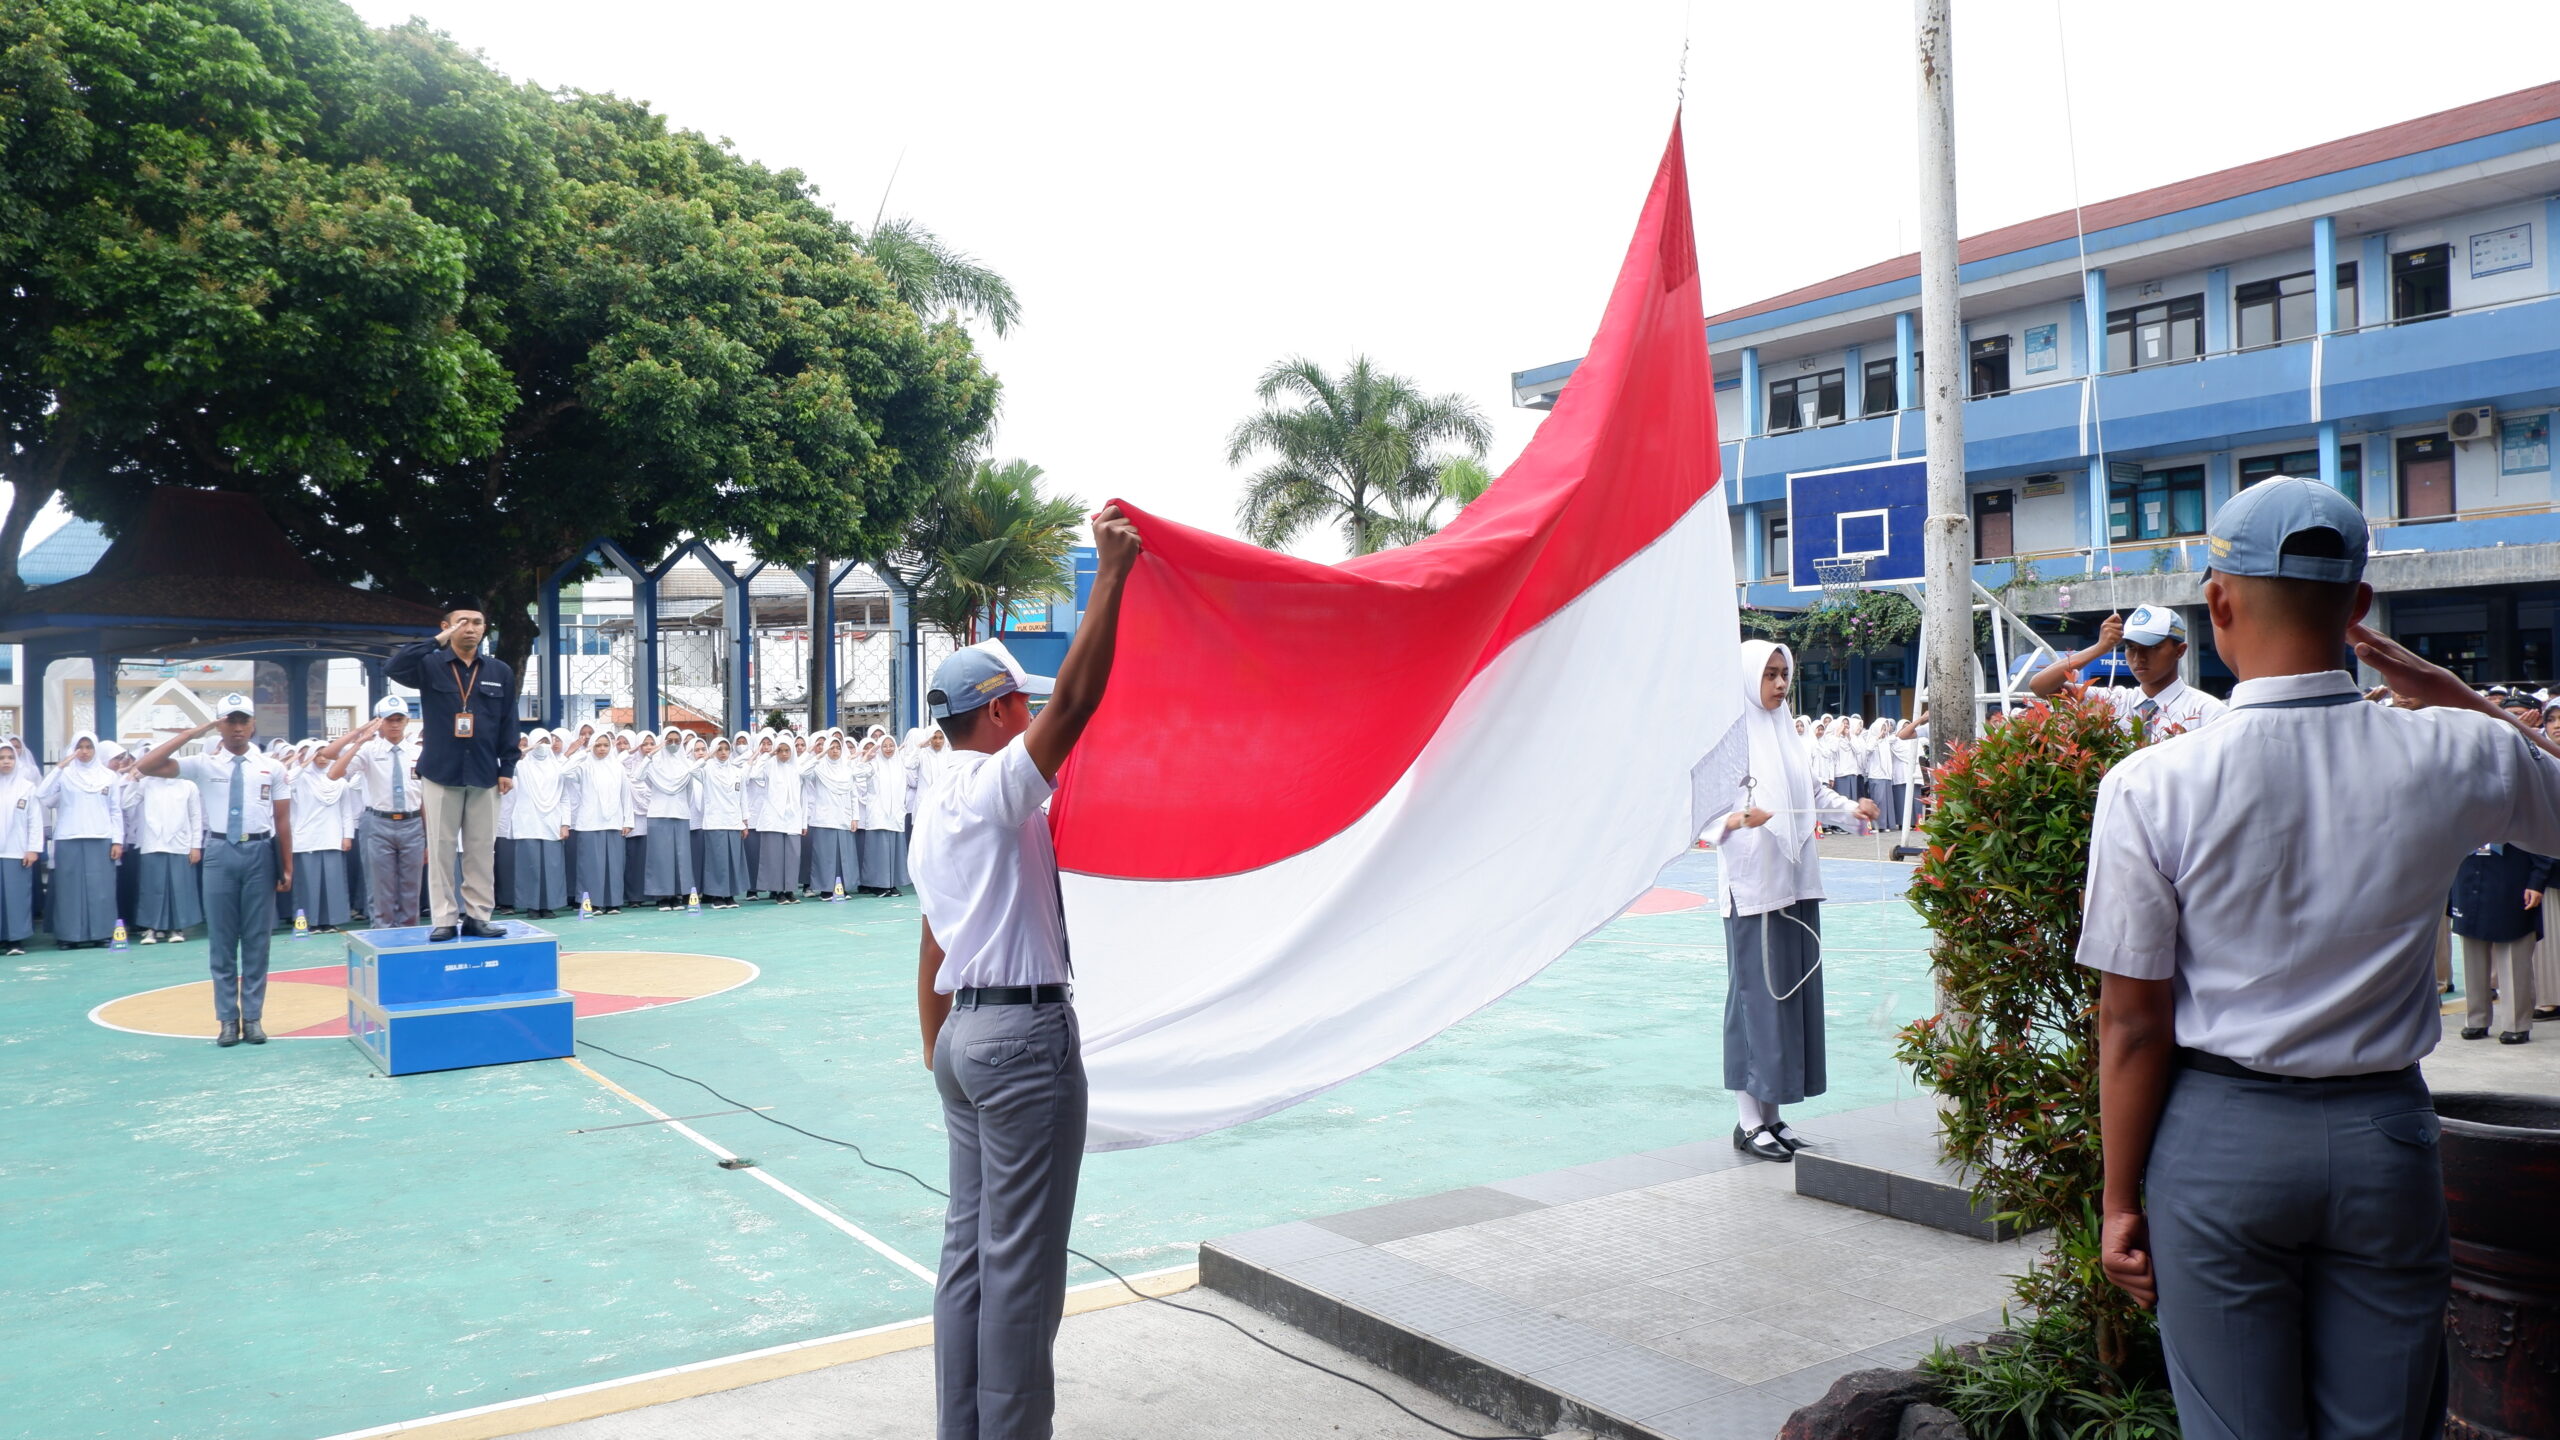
(669, 771)
(90, 776)
(1777, 864)
(541, 773)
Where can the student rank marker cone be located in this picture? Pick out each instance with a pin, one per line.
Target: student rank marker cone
(693, 902)
(839, 890)
(586, 907)
(118, 942)
(301, 924)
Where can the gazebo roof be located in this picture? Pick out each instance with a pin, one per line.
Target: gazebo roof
(208, 572)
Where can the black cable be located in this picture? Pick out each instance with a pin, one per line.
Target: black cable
(1124, 1280)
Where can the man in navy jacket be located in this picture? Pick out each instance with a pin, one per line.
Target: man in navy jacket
(466, 760)
(2497, 910)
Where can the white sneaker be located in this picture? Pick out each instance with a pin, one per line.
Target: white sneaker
(150, 937)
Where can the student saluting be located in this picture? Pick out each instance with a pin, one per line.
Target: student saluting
(2155, 644)
(2271, 1174)
(999, 1031)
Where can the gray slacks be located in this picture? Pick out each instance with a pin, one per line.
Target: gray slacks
(395, 858)
(1013, 1104)
(469, 814)
(239, 923)
(2298, 1236)
(2507, 965)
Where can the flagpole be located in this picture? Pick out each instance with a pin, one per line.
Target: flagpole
(1948, 552)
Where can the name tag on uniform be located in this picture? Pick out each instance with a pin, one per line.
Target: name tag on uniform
(266, 790)
(461, 724)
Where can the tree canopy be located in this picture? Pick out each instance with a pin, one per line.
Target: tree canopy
(448, 327)
(989, 541)
(1362, 451)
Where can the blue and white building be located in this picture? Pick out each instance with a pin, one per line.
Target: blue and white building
(2381, 311)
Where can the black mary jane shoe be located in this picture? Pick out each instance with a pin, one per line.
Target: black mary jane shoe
(2475, 1032)
(2514, 1037)
(1785, 1135)
(1760, 1144)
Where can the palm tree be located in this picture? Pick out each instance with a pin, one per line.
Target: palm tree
(933, 278)
(1360, 450)
(991, 540)
(1465, 478)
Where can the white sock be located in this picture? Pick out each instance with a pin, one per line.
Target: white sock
(1754, 1113)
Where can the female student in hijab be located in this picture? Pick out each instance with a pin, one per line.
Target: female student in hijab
(667, 872)
(539, 858)
(87, 806)
(830, 798)
(777, 814)
(599, 821)
(723, 832)
(1771, 889)
(882, 836)
(21, 844)
(1878, 770)
(319, 842)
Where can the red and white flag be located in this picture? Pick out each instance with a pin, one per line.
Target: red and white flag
(1326, 811)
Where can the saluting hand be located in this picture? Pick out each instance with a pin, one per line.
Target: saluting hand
(2417, 681)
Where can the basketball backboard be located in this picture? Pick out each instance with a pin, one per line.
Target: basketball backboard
(1875, 511)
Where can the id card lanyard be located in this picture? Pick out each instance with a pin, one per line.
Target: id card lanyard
(462, 684)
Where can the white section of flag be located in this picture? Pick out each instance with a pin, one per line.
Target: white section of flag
(1570, 771)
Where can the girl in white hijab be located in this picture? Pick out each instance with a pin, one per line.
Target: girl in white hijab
(319, 842)
(722, 836)
(600, 825)
(833, 793)
(1770, 885)
(777, 813)
(881, 836)
(86, 799)
(667, 778)
(21, 844)
(539, 826)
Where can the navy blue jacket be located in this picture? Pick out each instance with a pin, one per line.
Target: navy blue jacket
(431, 670)
(2489, 890)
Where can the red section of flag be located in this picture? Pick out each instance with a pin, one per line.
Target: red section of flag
(1260, 704)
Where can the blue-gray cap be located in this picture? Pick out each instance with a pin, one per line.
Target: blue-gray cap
(971, 677)
(2248, 537)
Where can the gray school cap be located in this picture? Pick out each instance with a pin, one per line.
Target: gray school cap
(971, 677)
(2248, 537)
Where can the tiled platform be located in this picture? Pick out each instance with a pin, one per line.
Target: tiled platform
(1679, 1294)
(1885, 1160)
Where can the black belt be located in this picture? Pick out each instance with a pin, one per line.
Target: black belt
(1012, 995)
(2212, 1064)
(252, 835)
(394, 814)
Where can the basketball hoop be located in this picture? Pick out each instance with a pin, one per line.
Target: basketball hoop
(1842, 576)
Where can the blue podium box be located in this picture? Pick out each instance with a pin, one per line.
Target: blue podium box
(452, 1035)
(390, 968)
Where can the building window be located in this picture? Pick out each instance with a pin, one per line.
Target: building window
(1883, 397)
(1994, 535)
(2286, 308)
(1990, 367)
(2159, 505)
(2160, 333)
(8, 664)
(2422, 283)
(2307, 463)
(1803, 400)
(1774, 558)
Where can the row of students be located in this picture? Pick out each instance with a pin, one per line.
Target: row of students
(1862, 761)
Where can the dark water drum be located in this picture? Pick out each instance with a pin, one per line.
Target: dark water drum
(2502, 1191)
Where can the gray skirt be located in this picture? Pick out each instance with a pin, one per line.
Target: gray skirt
(1773, 1048)
(832, 857)
(884, 858)
(777, 861)
(172, 895)
(539, 872)
(669, 871)
(724, 863)
(600, 854)
(18, 897)
(320, 887)
(83, 897)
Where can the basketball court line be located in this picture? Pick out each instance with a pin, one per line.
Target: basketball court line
(759, 1174)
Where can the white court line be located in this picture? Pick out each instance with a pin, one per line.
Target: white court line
(399, 1426)
(757, 1172)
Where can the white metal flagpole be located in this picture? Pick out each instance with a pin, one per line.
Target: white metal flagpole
(1948, 662)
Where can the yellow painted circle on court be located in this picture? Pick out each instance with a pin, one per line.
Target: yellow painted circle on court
(310, 1003)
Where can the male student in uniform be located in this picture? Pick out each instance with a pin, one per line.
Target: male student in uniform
(246, 801)
(999, 1029)
(2271, 1175)
(383, 758)
(2155, 645)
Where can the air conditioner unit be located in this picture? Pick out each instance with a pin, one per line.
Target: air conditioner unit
(2476, 423)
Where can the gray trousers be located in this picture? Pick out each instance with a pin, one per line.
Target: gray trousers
(2298, 1236)
(2507, 965)
(463, 816)
(1013, 1104)
(395, 859)
(239, 921)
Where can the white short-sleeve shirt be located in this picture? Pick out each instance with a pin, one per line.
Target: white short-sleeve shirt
(261, 785)
(986, 874)
(371, 766)
(2180, 705)
(2284, 868)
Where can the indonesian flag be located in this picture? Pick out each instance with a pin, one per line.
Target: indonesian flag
(1327, 811)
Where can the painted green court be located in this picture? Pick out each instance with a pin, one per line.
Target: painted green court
(277, 1244)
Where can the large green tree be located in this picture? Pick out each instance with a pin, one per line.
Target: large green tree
(447, 327)
(991, 540)
(1361, 451)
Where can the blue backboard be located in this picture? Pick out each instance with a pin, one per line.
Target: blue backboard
(1872, 510)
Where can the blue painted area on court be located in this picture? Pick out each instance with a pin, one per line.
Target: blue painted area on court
(277, 1243)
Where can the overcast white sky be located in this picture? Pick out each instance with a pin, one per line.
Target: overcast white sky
(1183, 194)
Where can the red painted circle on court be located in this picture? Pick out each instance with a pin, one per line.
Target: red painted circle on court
(1659, 901)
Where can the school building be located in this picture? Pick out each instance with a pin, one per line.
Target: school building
(2382, 311)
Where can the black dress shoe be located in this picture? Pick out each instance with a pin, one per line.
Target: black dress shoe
(230, 1035)
(1760, 1143)
(2475, 1032)
(2514, 1037)
(479, 929)
(1786, 1135)
(440, 934)
(253, 1032)
(2546, 1012)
